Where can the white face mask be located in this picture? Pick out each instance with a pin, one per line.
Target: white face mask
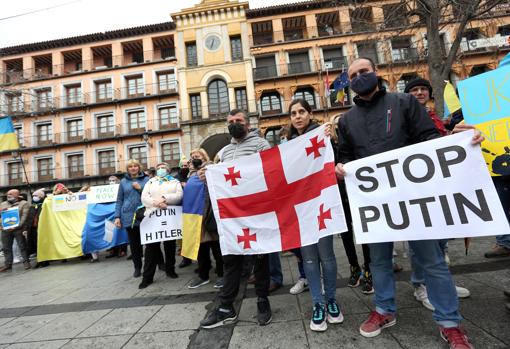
(36, 199)
(113, 182)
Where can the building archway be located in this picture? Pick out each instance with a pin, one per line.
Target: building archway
(213, 144)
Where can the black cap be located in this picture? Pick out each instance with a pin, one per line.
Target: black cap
(418, 82)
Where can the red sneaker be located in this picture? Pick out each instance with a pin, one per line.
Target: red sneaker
(456, 337)
(375, 322)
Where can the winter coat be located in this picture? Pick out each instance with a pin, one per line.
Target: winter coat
(24, 207)
(167, 188)
(128, 198)
(388, 121)
(252, 144)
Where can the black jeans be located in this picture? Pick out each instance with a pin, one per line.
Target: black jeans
(8, 237)
(32, 241)
(204, 259)
(233, 265)
(350, 250)
(153, 257)
(136, 246)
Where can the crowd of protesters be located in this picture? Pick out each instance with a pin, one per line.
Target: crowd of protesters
(352, 133)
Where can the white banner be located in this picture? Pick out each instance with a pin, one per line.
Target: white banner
(432, 190)
(162, 225)
(103, 193)
(69, 202)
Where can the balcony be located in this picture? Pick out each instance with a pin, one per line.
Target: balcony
(299, 68)
(335, 63)
(282, 70)
(267, 72)
(404, 54)
(16, 74)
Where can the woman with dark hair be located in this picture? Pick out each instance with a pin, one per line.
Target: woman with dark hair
(320, 255)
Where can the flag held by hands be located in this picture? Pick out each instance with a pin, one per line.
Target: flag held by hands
(279, 199)
(8, 137)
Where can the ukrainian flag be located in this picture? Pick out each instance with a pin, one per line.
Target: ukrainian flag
(8, 138)
(193, 203)
(451, 100)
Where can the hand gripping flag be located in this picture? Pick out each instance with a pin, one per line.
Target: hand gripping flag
(282, 198)
(8, 138)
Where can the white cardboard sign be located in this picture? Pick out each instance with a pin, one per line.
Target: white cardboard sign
(432, 190)
(162, 225)
(69, 202)
(103, 193)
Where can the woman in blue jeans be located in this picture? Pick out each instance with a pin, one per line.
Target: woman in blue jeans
(320, 255)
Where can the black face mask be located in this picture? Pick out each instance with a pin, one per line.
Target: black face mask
(237, 130)
(364, 84)
(196, 163)
(184, 171)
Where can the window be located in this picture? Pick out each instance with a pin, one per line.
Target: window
(404, 80)
(166, 81)
(395, 15)
(236, 48)
(401, 50)
(504, 30)
(265, 67)
(106, 162)
(44, 169)
(272, 136)
(334, 58)
(15, 173)
(191, 54)
(217, 94)
(262, 32)
(73, 95)
(362, 19)
(167, 52)
(368, 49)
(307, 95)
(270, 103)
(136, 121)
(241, 99)
(14, 102)
(19, 134)
(196, 106)
(43, 99)
(134, 86)
(75, 165)
(168, 117)
(170, 153)
(105, 127)
(44, 134)
(103, 90)
(294, 28)
(74, 130)
(299, 63)
(139, 153)
(137, 57)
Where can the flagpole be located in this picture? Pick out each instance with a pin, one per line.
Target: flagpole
(18, 153)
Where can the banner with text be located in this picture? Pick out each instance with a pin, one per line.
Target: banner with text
(162, 225)
(10, 218)
(69, 202)
(432, 190)
(485, 101)
(103, 193)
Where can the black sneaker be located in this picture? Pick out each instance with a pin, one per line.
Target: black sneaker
(367, 288)
(137, 273)
(264, 315)
(196, 283)
(144, 284)
(355, 278)
(219, 317)
(318, 321)
(171, 274)
(184, 263)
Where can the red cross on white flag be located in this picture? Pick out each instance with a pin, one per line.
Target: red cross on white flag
(282, 198)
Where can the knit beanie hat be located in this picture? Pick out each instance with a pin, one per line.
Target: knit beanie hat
(418, 82)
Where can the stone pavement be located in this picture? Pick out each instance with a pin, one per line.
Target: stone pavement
(84, 305)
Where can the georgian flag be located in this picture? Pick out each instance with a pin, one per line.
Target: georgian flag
(282, 198)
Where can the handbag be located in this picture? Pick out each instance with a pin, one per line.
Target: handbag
(138, 216)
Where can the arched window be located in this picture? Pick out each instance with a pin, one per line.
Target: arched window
(306, 94)
(217, 93)
(270, 103)
(478, 69)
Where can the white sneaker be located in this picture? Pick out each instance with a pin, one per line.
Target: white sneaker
(300, 286)
(16, 261)
(462, 292)
(420, 293)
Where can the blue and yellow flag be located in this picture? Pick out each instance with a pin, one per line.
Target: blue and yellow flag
(340, 83)
(8, 138)
(451, 100)
(193, 203)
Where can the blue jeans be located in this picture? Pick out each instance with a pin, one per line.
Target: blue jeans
(418, 274)
(275, 268)
(299, 257)
(316, 256)
(440, 285)
(502, 185)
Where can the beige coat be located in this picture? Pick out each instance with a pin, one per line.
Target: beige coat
(170, 190)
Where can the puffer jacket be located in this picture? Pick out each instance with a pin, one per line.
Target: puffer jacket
(128, 198)
(167, 188)
(252, 144)
(388, 121)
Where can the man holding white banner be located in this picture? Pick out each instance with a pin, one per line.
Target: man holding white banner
(381, 122)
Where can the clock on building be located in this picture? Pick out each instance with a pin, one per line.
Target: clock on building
(212, 42)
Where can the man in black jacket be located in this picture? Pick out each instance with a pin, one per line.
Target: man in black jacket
(380, 122)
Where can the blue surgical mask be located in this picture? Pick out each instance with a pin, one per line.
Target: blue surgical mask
(161, 172)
